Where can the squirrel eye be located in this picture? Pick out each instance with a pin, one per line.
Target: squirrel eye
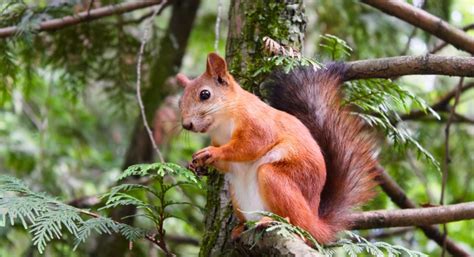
(204, 95)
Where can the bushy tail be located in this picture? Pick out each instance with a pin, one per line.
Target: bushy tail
(314, 97)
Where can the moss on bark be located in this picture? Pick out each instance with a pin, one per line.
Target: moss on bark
(250, 22)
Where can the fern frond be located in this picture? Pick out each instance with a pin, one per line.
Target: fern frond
(335, 47)
(127, 188)
(103, 225)
(160, 170)
(378, 100)
(46, 218)
(378, 248)
(49, 225)
(11, 184)
(122, 199)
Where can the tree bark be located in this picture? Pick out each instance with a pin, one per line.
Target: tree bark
(253, 243)
(140, 150)
(249, 22)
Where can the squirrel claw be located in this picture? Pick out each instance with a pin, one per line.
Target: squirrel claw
(204, 156)
(199, 170)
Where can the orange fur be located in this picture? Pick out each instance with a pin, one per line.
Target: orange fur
(249, 136)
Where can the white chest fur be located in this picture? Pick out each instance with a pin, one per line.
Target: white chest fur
(244, 181)
(243, 175)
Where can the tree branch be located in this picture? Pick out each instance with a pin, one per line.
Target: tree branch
(87, 15)
(443, 44)
(398, 196)
(426, 21)
(389, 233)
(447, 157)
(458, 119)
(410, 65)
(413, 217)
(441, 105)
(252, 243)
(393, 66)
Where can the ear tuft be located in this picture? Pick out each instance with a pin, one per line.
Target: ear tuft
(182, 80)
(216, 65)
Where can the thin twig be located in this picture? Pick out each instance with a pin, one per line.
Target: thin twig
(420, 175)
(389, 233)
(461, 118)
(218, 23)
(420, 5)
(146, 15)
(447, 158)
(85, 16)
(440, 106)
(145, 38)
(410, 38)
(443, 44)
(426, 21)
(91, 3)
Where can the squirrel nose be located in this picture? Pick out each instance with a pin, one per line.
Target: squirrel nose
(188, 125)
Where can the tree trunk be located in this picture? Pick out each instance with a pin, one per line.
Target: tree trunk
(249, 22)
(166, 64)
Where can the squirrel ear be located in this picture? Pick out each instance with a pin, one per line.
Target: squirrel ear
(182, 80)
(216, 66)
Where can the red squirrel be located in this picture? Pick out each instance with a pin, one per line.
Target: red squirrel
(306, 158)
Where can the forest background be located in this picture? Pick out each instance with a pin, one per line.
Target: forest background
(71, 123)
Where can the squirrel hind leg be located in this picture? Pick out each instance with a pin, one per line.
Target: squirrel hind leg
(282, 196)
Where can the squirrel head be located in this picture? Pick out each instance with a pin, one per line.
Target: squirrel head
(206, 100)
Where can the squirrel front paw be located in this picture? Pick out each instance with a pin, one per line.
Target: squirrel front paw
(199, 170)
(205, 156)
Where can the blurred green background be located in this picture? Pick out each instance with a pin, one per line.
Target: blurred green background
(68, 107)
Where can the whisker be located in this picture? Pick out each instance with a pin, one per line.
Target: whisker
(171, 121)
(214, 108)
(186, 138)
(176, 129)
